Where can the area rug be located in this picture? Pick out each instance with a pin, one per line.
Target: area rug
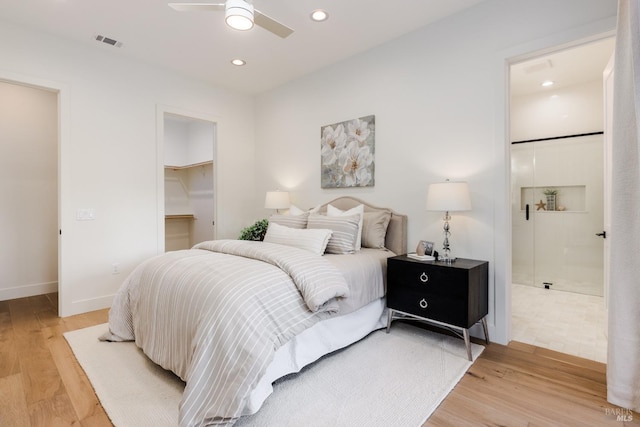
(395, 379)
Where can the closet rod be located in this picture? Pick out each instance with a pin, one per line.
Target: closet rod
(558, 137)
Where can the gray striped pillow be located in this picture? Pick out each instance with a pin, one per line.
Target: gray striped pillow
(291, 221)
(345, 231)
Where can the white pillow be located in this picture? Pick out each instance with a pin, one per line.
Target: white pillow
(312, 240)
(333, 211)
(294, 210)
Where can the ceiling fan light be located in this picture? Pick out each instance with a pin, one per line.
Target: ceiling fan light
(239, 15)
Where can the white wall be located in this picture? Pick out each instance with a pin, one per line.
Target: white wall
(571, 110)
(439, 98)
(110, 158)
(28, 191)
(187, 141)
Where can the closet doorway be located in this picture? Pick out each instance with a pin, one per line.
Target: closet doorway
(558, 196)
(29, 188)
(188, 180)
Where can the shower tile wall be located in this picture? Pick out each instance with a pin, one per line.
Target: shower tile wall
(559, 247)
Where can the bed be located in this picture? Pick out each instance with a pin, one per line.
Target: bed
(230, 317)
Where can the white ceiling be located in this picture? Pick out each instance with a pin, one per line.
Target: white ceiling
(200, 45)
(567, 67)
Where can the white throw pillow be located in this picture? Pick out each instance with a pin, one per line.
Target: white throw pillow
(294, 210)
(333, 211)
(312, 240)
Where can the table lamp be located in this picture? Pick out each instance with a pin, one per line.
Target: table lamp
(277, 200)
(448, 197)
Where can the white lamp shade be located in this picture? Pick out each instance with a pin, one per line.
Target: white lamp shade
(277, 200)
(239, 15)
(448, 196)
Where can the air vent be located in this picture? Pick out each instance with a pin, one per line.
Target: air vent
(539, 66)
(108, 40)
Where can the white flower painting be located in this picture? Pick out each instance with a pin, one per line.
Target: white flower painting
(347, 153)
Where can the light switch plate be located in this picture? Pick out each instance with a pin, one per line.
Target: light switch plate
(86, 214)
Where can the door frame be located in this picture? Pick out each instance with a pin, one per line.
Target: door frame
(161, 110)
(607, 86)
(64, 175)
(500, 294)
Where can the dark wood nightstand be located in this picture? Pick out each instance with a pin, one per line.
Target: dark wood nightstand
(452, 295)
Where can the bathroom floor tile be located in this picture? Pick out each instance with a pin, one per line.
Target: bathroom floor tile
(562, 321)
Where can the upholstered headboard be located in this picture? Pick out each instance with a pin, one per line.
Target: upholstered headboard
(396, 238)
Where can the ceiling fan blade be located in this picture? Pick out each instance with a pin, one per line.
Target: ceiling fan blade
(271, 24)
(196, 7)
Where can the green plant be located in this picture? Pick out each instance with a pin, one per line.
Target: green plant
(255, 231)
(550, 191)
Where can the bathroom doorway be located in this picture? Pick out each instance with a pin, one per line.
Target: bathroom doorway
(557, 193)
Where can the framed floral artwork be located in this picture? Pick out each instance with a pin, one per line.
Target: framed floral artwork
(347, 153)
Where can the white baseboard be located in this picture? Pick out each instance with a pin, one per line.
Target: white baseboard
(28, 290)
(87, 305)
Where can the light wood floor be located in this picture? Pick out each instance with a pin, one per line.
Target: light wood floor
(41, 384)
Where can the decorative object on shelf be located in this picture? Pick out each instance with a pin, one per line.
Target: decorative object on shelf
(277, 200)
(255, 232)
(561, 208)
(541, 205)
(551, 194)
(424, 248)
(347, 153)
(448, 197)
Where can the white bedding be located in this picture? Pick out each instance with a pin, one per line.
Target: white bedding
(218, 319)
(365, 272)
(360, 314)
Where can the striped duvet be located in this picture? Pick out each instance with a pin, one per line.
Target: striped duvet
(215, 315)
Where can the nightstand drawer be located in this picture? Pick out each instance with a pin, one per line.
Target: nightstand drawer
(431, 306)
(428, 278)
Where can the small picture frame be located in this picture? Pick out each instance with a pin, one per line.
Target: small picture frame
(425, 248)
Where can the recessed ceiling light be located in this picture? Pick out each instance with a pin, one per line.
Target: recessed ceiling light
(319, 15)
(238, 62)
(547, 83)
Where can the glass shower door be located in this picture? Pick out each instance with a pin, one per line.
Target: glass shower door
(555, 243)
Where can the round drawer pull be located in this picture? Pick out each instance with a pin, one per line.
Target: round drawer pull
(423, 303)
(424, 278)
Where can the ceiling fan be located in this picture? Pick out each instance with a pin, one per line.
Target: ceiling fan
(239, 14)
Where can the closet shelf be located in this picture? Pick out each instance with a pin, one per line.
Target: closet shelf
(180, 216)
(192, 165)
